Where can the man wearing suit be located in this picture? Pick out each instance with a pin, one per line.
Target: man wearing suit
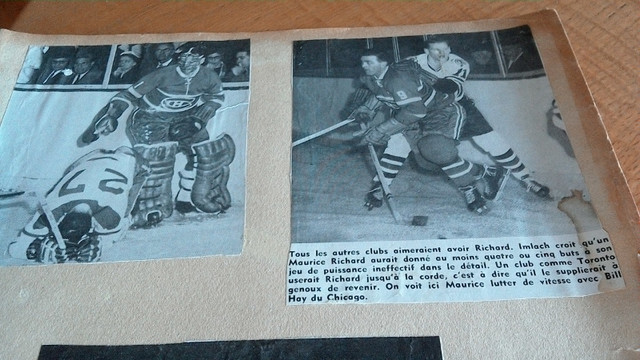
(57, 71)
(84, 69)
(162, 57)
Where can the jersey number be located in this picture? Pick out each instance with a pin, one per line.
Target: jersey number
(107, 185)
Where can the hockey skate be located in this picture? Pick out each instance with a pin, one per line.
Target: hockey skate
(535, 187)
(475, 202)
(183, 197)
(494, 179)
(373, 198)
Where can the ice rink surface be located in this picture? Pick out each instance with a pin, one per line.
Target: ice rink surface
(330, 183)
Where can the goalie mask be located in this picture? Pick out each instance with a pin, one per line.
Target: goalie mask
(190, 57)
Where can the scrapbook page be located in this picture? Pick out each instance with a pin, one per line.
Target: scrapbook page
(320, 193)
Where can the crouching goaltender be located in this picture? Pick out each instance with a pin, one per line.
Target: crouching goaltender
(169, 112)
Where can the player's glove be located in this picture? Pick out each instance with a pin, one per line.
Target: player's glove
(380, 135)
(376, 137)
(443, 100)
(47, 251)
(206, 111)
(104, 122)
(105, 126)
(362, 114)
(88, 249)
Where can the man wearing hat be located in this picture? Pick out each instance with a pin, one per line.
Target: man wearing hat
(57, 71)
(128, 70)
(171, 109)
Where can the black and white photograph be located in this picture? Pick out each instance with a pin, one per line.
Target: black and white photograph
(125, 152)
(366, 348)
(431, 136)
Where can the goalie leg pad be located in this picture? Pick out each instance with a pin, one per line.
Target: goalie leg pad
(155, 200)
(209, 192)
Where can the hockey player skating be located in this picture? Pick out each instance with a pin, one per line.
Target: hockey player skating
(426, 120)
(88, 207)
(170, 109)
(450, 72)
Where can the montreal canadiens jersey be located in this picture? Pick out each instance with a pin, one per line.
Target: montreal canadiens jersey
(170, 90)
(404, 91)
(100, 181)
(455, 69)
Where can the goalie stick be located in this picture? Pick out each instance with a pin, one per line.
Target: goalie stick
(44, 206)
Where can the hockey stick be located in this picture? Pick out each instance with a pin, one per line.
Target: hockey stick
(5, 194)
(360, 97)
(418, 220)
(52, 221)
(322, 132)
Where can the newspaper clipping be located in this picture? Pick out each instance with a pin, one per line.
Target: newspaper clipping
(115, 152)
(436, 167)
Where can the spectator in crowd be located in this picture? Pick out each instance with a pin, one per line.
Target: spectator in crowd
(127, 71)
(57, 71)
(85, 70)
(518, 60)
(519, 50)
(240, 72)
(163, 53)
(157, 56)
(482, 59)
(215, 63)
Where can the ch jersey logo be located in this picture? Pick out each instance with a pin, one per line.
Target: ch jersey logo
(175, 104)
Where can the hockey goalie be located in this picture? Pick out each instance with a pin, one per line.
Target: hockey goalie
(88, 207)
(173, 105)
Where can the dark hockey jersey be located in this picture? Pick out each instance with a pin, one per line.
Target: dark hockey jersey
(170, 90)
(403, 88)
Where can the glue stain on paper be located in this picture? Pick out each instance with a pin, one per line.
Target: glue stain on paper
(582, 214)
